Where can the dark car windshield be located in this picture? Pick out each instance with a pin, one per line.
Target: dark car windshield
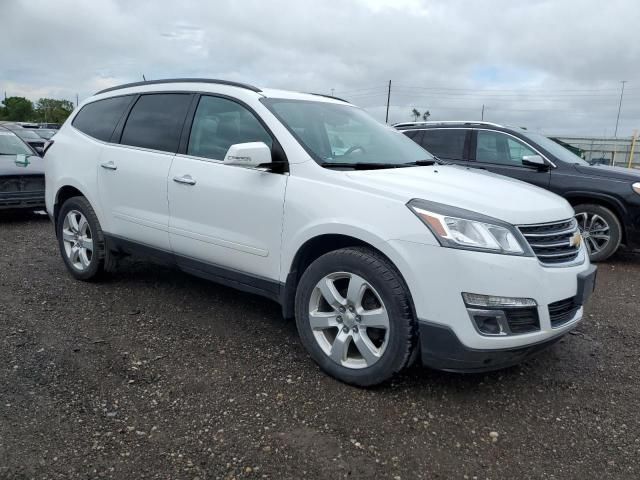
(343, 135)
(555, 149)
(12, 145)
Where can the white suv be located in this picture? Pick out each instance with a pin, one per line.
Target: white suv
(381, 254)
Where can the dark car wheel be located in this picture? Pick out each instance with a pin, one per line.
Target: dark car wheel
(354, 316)
(81, 240)
(601, 230)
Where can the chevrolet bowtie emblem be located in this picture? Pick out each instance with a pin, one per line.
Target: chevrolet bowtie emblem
(575, 240)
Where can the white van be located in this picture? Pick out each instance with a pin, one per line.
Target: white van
(381, 254)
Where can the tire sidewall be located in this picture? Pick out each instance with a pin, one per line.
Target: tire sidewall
(395, 355)
(81, 205)
(615, 229)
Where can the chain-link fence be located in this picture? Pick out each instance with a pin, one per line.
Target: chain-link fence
(621, 152)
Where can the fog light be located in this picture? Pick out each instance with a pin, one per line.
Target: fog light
(487, 324)
(491, 301)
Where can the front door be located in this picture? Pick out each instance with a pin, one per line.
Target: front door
(502, 153)
(225, 221)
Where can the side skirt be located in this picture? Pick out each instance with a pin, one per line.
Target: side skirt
(245, 282)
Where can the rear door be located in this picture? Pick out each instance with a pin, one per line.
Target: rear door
(449, 144)
(132, 172)
(226, 221)
(502, 153)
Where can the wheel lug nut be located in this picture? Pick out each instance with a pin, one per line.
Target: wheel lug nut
(341, 309)
(355, 329)
(339, 319)
(345, 329)
(358, 318)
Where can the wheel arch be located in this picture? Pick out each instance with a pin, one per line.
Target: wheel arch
(579, 198)
(312, 249)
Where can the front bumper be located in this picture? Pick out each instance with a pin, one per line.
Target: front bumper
(441, 349)
(437, 276)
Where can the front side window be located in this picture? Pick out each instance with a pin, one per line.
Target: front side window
(99, 119)
(156, 121)
(501, 149)
(220, 123)
(445, 143)
(343, 135)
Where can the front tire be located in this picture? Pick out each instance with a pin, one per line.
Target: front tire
(81, 240)
(354, 316)
(601, 230)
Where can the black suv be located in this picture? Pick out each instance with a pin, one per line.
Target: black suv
(606, 199)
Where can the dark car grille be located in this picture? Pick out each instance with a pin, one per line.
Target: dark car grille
(21, 191)
(562, 311)
(522, 320)
(552, 242)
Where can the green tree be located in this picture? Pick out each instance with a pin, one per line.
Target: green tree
(16, 109)
(51, 110)
(426, 115)
(416, 114)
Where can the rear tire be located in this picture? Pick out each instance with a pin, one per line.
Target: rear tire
(354, 316)
(601, 230)
(81, 240)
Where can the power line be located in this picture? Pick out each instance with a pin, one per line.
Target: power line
(615, 134)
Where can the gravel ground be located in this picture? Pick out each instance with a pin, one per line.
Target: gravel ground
(157, 374)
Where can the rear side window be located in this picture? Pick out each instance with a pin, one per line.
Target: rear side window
(99, 119)
(445, 143)
(220, 123)
(156, 121)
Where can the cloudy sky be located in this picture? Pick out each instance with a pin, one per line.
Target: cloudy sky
(552, 65)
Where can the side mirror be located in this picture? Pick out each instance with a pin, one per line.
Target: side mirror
(534, 161)
(252, 154)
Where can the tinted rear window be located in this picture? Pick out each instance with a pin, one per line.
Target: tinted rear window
(99, 119)
(156, 121)
(445, 143)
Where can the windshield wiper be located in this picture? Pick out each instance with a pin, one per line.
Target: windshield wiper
(429, 161)
(364, 165)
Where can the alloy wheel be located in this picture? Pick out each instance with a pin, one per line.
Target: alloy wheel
(349, 320)
(78, 240)
(595, 231)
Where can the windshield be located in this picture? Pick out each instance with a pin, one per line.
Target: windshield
(555, 149)
(344, 135)
(12, 145)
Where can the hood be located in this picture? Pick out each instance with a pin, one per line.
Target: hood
(606, 171)
(33, 166)
(483, 192)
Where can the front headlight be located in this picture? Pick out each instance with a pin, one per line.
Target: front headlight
(636, 187)
(458, 228)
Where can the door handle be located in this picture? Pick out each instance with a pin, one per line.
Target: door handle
(185, 179)
(109, 165)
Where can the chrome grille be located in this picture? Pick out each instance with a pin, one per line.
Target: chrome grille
(553, 243)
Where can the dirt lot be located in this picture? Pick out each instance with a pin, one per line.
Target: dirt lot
(156, 374)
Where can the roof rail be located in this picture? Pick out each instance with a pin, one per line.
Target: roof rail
(328, 96)
(446, 122)
(182, 80)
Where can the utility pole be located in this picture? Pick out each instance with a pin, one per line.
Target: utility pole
(332, 91)
(143, 77)
(388, 98)
(482, 115)
(77, 100)
(615, 133)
